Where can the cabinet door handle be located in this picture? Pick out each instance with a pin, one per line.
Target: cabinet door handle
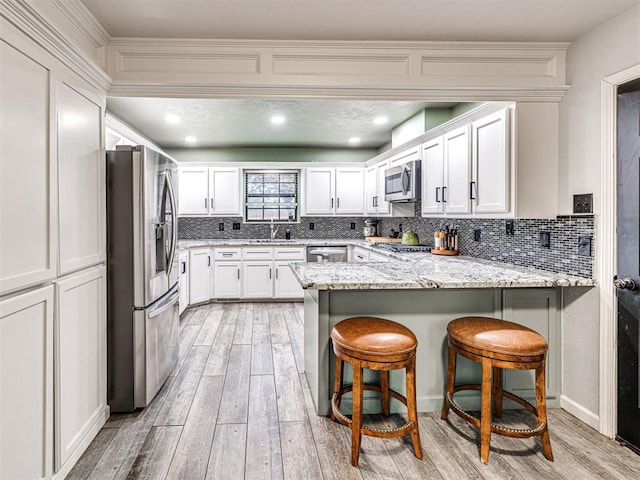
(332, 203)
(437, 192)
(276, 273)
(227, 254)
(211, 203)
(208, 260)
(269, 273)
(206, 202)
(471, 185)
(444, 191)
(184, 267)
(238, 273)
(338, 203)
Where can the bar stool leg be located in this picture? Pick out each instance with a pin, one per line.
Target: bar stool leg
(451, 374)
(384, 391)
(497, 390)
(541, 408)
(485, 414)
(356, 416)
(337, 384)
(412, 410)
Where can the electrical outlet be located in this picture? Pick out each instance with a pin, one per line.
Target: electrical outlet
(236, 225)
(545, 239)
(476, 235)
(584, 246)
(312, 225)
(583, 203)
(353, 225)
(510, 228)
(220, 227)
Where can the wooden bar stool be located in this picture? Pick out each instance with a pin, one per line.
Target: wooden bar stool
(377, 344)
(496, 345)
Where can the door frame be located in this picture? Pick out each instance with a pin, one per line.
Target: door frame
(606, 259)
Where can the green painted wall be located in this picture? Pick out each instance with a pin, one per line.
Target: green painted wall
(461, 108)
(204, 155)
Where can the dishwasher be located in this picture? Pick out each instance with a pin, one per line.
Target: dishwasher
(327, 253)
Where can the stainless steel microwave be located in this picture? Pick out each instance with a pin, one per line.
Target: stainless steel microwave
(402, 183)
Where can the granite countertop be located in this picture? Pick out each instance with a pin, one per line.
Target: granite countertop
(405, 270)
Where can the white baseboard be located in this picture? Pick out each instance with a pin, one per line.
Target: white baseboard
(580, 412)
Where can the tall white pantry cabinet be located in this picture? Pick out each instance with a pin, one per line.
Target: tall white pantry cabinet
(52, 262)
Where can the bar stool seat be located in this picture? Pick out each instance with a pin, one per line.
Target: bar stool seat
(497, 345)
(376, 344)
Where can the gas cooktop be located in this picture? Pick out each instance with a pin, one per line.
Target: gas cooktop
(398, 247)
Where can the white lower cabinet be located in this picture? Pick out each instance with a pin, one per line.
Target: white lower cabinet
(80, 364)
(26, 377)
(183, 262)
(285, 283)
(200, 264)
(360, 254)
(227, 279)
(378, 257)
(257, 279)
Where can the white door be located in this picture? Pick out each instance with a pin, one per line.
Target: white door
(382, 205)
(199, 276)
(81, 360)
(432, 176)
(224, 198)
(26, 376)
(286, 284)
(349, 191)
(193, 193)
(226, 282)
(371, 190)
(319, 191)
(490, 153)
(257, 279)
(183, 265)
(457, 171)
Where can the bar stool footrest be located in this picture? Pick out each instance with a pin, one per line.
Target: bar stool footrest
(536, 431)
(371, 431)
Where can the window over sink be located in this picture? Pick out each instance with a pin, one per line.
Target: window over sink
(271, 195)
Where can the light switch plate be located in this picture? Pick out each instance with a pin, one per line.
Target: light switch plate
(583, 203)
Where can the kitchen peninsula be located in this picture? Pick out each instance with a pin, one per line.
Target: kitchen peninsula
(424, 293)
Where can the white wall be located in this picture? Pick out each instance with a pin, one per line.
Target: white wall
(605, 50)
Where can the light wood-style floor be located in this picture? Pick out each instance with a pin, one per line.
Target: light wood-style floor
(238, 406)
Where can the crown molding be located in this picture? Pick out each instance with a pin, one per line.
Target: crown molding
(34, 26)
(84, 22)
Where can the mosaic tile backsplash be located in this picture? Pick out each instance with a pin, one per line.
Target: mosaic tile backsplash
(522, 248)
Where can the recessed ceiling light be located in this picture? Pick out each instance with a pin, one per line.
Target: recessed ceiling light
(277, 119)
(172, 118)
(190, 139)
(354, 140)
(380, 120)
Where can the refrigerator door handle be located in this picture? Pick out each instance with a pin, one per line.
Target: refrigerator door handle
(168, 303)
(174, 223)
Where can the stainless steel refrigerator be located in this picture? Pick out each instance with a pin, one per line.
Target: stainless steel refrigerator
(142, 273)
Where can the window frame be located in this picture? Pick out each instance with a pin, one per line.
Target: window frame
(295, 205)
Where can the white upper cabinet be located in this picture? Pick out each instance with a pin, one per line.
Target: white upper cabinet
(349, 191)
(27, 176)
(457, 171)
(334, 191)
(81, 181)
(432, 176)
(209, 191)
(319, 191)
(375, 203)
(193, 191)
(468, 170)
(408, 155)
(490, 159)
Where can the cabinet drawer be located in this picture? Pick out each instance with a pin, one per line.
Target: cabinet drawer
(227, 253)
(257, 253)
(289, 253)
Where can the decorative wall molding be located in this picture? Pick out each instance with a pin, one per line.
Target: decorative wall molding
(36, 28)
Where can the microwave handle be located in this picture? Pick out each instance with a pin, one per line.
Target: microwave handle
(402, 175)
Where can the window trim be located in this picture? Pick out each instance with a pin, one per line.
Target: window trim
(297, 204)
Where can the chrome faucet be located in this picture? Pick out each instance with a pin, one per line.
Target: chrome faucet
(274, 230)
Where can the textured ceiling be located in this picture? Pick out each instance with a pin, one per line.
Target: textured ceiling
(246, 123)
